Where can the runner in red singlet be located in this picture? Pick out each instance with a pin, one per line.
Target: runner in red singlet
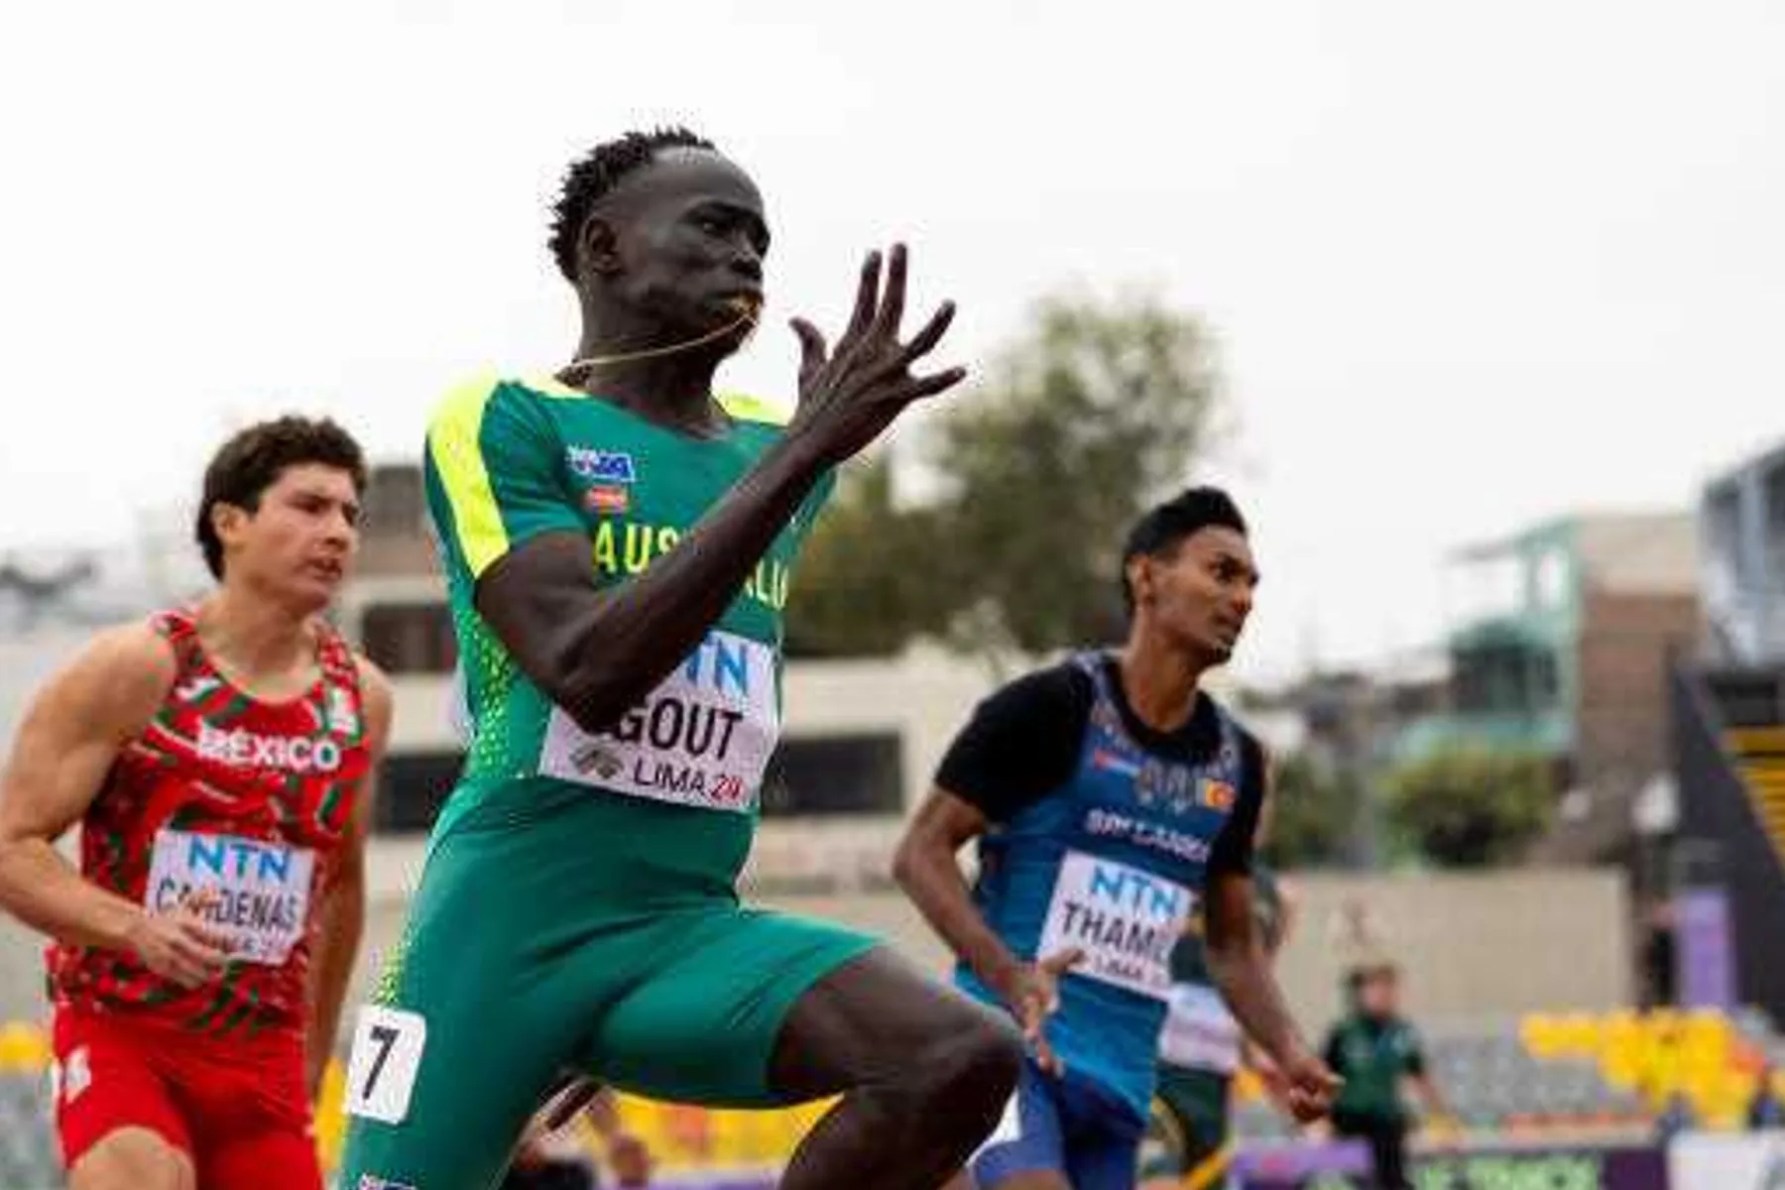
(218, 759)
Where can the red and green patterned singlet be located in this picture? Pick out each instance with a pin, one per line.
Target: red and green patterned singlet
(244, 799)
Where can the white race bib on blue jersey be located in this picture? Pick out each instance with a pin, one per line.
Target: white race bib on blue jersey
(1125, 920)
(702, 738)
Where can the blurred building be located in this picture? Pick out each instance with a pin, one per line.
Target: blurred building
(1729, 748)
(1560, 641)
(1742, 518)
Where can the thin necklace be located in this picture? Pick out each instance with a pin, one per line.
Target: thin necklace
(746, 318)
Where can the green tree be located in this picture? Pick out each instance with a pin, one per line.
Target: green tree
(1099, 409)
(1314, 812)
(864, 585)
(1471, 807)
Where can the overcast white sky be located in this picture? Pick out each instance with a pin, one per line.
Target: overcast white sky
(1470, 264)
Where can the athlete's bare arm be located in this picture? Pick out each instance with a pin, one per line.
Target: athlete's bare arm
(596, 653)
(926, 868)
(342, 918)
(69, 739)
(1241, 967)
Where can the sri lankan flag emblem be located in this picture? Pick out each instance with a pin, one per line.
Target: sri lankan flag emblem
(1217, 795)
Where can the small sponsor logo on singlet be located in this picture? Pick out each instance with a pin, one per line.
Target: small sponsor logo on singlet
(593, 758)
(195, 689)
(1111, 762)
(368, 1181)
(1217, 795)
(608, 499)
(1174, 788)
(295, 754)
(341, 715)
(606, 466)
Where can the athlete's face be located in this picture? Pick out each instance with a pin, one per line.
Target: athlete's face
(299, 544)
(1380, 995)
(1199, 595)
(682, 242)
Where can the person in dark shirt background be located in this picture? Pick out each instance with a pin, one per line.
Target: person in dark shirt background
(1376, 1052)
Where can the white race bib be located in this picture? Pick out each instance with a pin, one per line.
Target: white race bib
(1125, 920)
(702, 738)
(259, 891)
(1200, 1033)
(383, 1065)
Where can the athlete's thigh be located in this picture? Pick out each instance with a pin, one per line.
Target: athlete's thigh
(870, 1020)
(1027, 1148)
(1106, 1162)
(703, 1027)
(470, 1021)
(115, 1115)
(132, 1158)
(1103, 1136)
(273, 1159)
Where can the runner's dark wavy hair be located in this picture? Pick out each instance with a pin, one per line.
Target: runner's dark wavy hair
(251, 462)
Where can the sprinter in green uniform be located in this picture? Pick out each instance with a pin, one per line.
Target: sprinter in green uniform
(618, 542)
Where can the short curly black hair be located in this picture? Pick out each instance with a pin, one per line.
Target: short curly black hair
(597, 172)
(1164, 527)
(251, 462)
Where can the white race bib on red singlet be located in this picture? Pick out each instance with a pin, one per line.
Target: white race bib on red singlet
(702, 738)
(259, 891)
(1125, 920)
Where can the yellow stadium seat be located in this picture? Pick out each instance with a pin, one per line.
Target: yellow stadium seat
(24, 1048)
(1542, 1035)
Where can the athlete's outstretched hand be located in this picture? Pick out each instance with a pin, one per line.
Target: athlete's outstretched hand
(177, 945)
(1311, 1086)
(850, 393)
(1033, 994)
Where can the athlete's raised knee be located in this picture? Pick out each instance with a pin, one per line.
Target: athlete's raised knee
(132, 1159)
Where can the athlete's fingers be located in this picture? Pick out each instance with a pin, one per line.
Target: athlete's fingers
(926, 339)
(927, 386)
(200, 946)
(892, 303)
(195, 901)
(1060, 962)
(811, 347)
(211, 941)
(866, 298)
(1047, 1059)
(186, 971)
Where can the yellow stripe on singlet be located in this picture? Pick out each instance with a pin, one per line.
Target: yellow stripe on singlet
(746, 408)
(458, 458)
